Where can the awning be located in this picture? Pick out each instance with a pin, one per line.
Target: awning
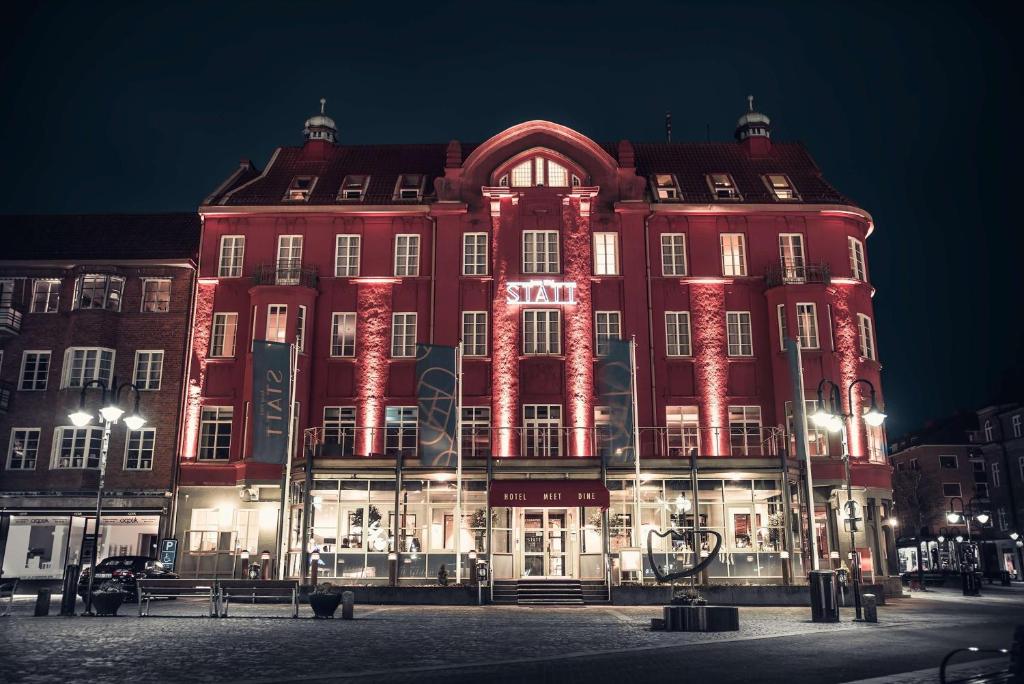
(548, 493)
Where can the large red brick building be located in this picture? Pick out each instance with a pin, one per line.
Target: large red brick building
(532, 248)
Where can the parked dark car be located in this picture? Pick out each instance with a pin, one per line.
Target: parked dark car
(126, 570)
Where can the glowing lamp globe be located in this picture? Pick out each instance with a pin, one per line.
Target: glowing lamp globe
(111, 413)
(820, 417)
(959, 538)
(874, 417)
(835, 423)
(982, 518)
(80, 418)
(952, 517)
(941, 539)
(134, 422)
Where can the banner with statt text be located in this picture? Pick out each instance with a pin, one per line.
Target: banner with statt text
(271, 395)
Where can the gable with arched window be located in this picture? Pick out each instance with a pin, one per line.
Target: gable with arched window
(538, 168)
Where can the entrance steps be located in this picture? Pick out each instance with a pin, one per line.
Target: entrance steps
(550, 592)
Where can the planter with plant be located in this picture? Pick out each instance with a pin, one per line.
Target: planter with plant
(324, 600)
(108, 597)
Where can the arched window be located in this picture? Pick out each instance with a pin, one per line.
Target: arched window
(538, 170)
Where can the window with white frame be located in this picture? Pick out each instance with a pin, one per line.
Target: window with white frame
(734, 254)
(995, 474)
(156, 295)
(682, 430)
(82, 364)
(346, 255)
(407, 255)
(99, 291)
(340, 428)
(738, 333)
(476, 431)
(1020, 468)
(409, 186)
(6, 292)
(400, 437)
(988, 430)
(981, 490)
(353, 187)
(540, 251)
(215, 433)
(343, 333)
(300, 189)
(780, 186)
(807, 325)
(677, 333)
(948, 462)
(277, 323)
(602, 431)
(607, 326)
(673, 254)
(783, 326)
(666, 188)
(1002, 519)
(474, 254)
(791, 257)
(876, 444)
(1015, 424)
(542, 425)
(745, 430)
(857, 267)
(867, 337)
(474, 333)
(300, 328)
(723, 187)
(289, 259)
(35, 370)
(538, 171)
(817, 437)
(403, 335)
(46, 295)
(542, 331)
(223, 334)
(77, 448)
(139, 448)
(23, 449)
(232, 253)
(606, 254)
(149, 369)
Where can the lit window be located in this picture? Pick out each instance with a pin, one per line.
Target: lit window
(867, 337)
(542, 331)
(156, 295)
(739, 333)
(222, 337)
(876, 444)
(474, 254)
(745, 430)
(409, 186)
(476, 431)
(232, 251)
(677, 333)
(403, 335)
(277, 323)
(300, 189)
(139, 449)
(35, 370)
(540, 251)
(723, 187)
(538, 172)
(783, 326)
(289, 259)
(149, 368)
(340, 428)
(666, 189)
(673, 254)
(807, 325)
(522, 175)
(542, 425)
(346, 256)
(23, 449)
(100, 292)
(343, 334)
(558, 175)
(817, 438)
(607, 326)
(353, 187)
(474, 333)
(82, 364)
(400, 424)
(780, 186)
(45, 296)
(857, 268)
(215, 433)
(77, 448)
(791, 257)
(606, 254)
(407, 255)
(734, 254)
(682, 430)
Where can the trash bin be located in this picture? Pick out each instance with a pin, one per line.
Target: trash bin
(824, 605)
(1004, 578)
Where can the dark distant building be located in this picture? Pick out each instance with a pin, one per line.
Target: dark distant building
(1000, 436)
(83, 298)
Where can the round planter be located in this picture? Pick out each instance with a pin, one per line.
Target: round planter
(107, 603)
(324, 605)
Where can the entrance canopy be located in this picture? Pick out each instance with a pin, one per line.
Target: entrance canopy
(545, 493)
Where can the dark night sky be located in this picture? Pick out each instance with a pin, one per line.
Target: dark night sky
(913, 110)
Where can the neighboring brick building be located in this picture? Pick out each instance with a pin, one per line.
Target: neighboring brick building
(1000, 436)
(89, 297)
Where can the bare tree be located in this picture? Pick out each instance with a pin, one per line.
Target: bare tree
(918, 497)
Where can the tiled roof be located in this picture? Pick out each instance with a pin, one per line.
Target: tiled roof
(108, 237)
(383, 163)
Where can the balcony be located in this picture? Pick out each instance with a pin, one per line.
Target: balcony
(797, 273)
(6, 392)
(10, 321)
(286, 272)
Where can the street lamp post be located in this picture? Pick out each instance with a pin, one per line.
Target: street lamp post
(970, 586)
(110, 413)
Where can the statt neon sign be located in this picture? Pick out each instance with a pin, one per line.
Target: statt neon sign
(540, 292)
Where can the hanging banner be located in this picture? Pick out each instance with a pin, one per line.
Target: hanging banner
(271, 394)
(436, 394)
(615, 389)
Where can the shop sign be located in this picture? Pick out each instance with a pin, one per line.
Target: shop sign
(540, 292)
(548, 493)
(17, 520)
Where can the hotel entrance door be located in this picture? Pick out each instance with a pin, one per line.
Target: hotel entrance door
(546, 536)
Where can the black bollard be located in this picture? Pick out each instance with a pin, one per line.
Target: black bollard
(43, 603)
(70, 589)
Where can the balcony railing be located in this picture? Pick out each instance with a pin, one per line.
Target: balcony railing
(797, 272)
(286, 272)
(6, 392)
(10, 320)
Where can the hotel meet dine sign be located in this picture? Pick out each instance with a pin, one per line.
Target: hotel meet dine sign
(548, 493)
(540, 292)
(271, 393)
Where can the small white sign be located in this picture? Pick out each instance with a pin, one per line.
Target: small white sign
(540, 292)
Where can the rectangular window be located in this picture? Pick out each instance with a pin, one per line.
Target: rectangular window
(156, 295)
(807, 325)
(215, 433)
(817, 437)
(300, 328)
(343, 334)
(409, 186)
(981, 490)
(476, 431)
(791, 256)
(340, 428)
(682, 430)
(222, 338)
(857, 267)
(783, 326)
(780, 186)
(474, 333)
(46, 296)
(77, 448)
(232, 252)
(542, 425)
(867, 337)
(951, 489)
(540, 251)
(100, 291)
(35, 369)
(522, 175)
(474, 254)
(82, 364)
(400, 431)
(734, 254)
(996, 475)
(876, 444)
(149, 369)
(666, 189)
(723, 187)
(277, 323)
(23, 449)
(673, 254)
(948, 462)
(607, 326)
(407, 255)
(1020, 468)
(677, 333)
(542, 331)
(1016, 425)
(346, 255)
(745, 430)
(300, 189)
(353, 187)
(739, 333)
(606, 254)
(139, 448)
(403, 335)
(1001, 517)
(289, 259)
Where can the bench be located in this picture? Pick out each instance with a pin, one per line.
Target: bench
(149, 589)
(258, 589)
(7, 589)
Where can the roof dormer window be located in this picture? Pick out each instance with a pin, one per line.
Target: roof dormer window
(538, 172)
(409, 186)
(780, 186)
(723, 187)
(666, 188)
(353, 187)
(300, 189)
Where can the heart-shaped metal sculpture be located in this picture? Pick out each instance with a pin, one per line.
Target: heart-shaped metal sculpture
(678, 534)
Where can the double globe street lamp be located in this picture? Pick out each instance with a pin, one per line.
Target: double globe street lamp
(963, 517)
(109, 413)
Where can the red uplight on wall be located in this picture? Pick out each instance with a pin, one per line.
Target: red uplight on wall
(579, 327)
(373, 326)
(202, 321)
(710, 348)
